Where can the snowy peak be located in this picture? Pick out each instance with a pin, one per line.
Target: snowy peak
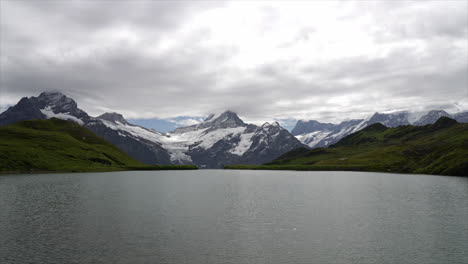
(46, 105)
(461, 117)
(431, 117)
(226, 139)
(391, 119)
(114, 118)
(227, 119)
(55, 104)
(57, 101)
(316, 134)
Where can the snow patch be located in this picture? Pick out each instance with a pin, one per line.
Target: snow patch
(244, 144)
(312, 139)
(49, 113)
(360, 126)
(177, 144)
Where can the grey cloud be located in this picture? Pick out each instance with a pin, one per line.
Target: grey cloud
(193, 78)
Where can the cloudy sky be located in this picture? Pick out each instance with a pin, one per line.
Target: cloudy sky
(271, 60)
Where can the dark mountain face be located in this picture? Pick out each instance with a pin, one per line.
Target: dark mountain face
(268, 143)
(25, 109)
(59, 103)
(219, 140)
(304, 127)
(113, 117)
(390, 120)
(46, 105)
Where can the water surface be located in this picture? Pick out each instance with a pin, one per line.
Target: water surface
(216, 216)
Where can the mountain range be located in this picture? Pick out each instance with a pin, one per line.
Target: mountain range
(440, 148)
(219, 140)
(316, 134)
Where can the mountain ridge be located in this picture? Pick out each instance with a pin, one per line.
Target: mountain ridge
(317, 134)
(219, 140)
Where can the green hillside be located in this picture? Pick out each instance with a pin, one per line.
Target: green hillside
(440, 148)
(59, 145)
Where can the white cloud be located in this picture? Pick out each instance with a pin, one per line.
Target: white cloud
(187, 122)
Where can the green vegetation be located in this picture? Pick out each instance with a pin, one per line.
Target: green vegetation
(62, 146)
(440, 148)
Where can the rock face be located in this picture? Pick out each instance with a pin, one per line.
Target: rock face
(316, 134)
(46, 105)
(304, 127)
(220, 140)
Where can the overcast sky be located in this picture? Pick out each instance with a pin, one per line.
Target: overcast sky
(327, 60)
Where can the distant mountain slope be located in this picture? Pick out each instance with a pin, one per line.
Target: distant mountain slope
(221, 139)
(57, 145)
(316, 134)
(440, 148)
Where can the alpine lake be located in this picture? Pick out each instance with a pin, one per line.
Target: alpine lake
(233, 216)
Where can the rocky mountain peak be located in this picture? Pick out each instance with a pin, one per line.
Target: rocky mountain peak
(113, 117)
(57, 101)
(228, 119)
(46, 105)
(51, 96)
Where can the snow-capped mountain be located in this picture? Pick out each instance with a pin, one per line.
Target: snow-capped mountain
(324, 136)
(316, 134)
(220, 139)
(431, 117)
(46, 105)
(461, 117)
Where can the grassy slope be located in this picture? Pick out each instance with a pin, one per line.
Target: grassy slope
(441, 148)
(59, 145)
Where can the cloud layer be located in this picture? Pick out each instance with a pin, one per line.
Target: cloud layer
(265, 60)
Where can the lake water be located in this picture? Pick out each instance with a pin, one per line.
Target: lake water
(216, 216)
